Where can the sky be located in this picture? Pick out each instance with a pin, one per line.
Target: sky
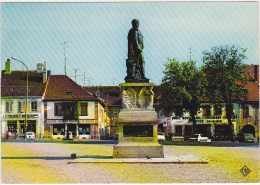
(97, 35)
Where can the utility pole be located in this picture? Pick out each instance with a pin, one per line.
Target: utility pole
(75, 74)
(89, 79)
(64, 55)
(84, 77)
(190, 53)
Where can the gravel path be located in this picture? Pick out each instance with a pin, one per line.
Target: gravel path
(48, 163)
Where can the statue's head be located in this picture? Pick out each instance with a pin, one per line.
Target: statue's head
(135, 23)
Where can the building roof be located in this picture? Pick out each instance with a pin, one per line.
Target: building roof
(252, 72)
(14, 84)
(110, 94)
(253, 91)
(61, 87)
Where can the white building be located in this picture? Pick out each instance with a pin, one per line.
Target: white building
(68, 107)
(13, 98)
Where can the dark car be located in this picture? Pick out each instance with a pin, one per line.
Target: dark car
(248, 137)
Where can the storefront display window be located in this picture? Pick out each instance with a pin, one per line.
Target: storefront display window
(12, 126)
(31, 126)
(59, 129)
(84, 129)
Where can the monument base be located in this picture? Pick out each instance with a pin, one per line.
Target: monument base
(138, 150)
(137, 129)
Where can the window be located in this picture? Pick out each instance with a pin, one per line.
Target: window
(9, 106)
(33, 106)
(83, 109)
(58, 129)
(58, 109)
(84, 129)
(116, 112)
(245, 111)
(206, 111)
(21, 106)
(218, 110)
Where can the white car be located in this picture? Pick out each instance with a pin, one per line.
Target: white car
(29, 135)
(199, 138)
(161, 136)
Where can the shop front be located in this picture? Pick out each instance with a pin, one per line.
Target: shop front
(81, 129)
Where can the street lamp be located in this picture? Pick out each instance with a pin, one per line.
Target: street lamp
(25, 129)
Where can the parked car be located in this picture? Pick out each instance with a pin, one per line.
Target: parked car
(29, 135)
(161, 136)
(70, 136)
(116, 136)
(248, 137)
(199, 138)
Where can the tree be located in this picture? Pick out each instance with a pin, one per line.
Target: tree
(182, 89)
(226, 76)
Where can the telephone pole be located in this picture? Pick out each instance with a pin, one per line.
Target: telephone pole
(190, 53)
(89, 79)
(84, 77)
(64, 55)
(75, 74)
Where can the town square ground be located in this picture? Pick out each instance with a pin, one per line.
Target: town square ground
(49, 162)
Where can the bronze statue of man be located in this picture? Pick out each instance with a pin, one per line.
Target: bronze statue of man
(135, 47)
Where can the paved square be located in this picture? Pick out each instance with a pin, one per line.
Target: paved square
(38, 163)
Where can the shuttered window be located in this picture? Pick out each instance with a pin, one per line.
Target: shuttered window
(58, 109)
(21, 106)
(33, 106)
(83, 109)
(9, 106)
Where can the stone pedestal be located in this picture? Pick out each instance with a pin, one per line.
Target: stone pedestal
(137, 124)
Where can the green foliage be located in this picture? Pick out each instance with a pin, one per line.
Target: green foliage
(182, 88)
(70, 110)
(226, 74)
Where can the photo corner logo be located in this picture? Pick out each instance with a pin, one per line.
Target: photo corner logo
(245, 171)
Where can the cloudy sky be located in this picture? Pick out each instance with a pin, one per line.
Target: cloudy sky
(97, 35)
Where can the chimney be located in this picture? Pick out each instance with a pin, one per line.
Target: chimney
(8, 67)
(44, 72)
(39, 68)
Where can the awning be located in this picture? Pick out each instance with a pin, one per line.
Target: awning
(181, 122)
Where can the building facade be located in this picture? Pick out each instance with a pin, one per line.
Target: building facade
(68, 107)
(211, 118)
(13, 100)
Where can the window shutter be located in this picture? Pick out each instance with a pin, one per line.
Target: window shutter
(7, 109)
(22, 106)
(28, 106)
(11, 106)
(38, 106)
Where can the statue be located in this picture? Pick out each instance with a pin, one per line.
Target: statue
(135, 62)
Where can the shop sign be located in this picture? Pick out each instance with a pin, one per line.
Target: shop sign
(86, 121)
(21, 116)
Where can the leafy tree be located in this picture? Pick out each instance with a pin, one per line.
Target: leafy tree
(182, 89)
(226, 76)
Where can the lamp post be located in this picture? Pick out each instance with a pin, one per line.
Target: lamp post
(25, 129)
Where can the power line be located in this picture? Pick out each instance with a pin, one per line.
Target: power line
(64, 54)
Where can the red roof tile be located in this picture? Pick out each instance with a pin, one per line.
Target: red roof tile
(14, 84)
(61, 87)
